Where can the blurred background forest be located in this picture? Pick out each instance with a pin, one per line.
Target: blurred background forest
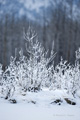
(53, 20)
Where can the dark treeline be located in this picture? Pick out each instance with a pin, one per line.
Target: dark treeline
(62, 27)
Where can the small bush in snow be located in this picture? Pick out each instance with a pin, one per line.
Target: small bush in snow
(35, 71)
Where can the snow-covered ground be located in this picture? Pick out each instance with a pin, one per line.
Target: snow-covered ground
(37, 106)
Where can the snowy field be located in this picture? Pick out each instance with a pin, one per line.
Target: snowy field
(37, 106)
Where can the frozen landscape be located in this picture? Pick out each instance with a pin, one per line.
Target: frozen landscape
(31, 88)
(40, 71)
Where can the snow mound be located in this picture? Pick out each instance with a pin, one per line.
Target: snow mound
(44, 98)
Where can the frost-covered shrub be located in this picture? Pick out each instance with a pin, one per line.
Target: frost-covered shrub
(76, 79)
(9, 79)
(66, 76)
(35, 71)
(59, 79)
(30, 72)
(37, 62)
(21, 68)
(76, 74)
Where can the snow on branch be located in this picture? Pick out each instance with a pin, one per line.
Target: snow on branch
(30, 35)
